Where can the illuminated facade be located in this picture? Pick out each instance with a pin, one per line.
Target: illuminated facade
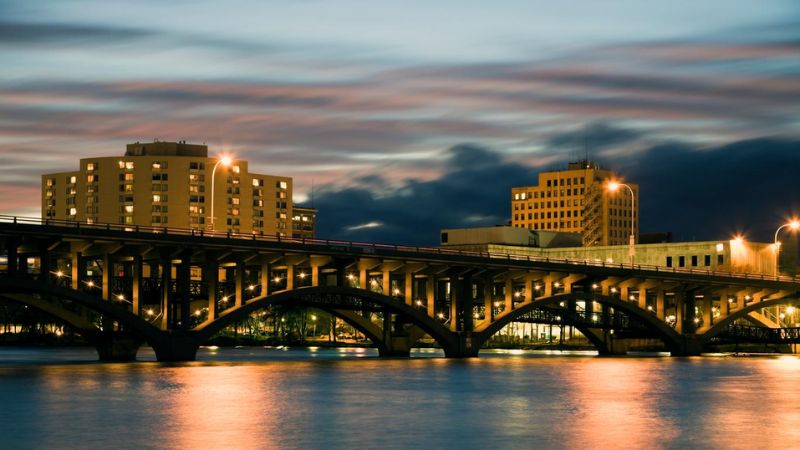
(577, 200)
(168, 184)
(303, 222)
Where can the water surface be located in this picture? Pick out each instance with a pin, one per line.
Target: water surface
(348, 398)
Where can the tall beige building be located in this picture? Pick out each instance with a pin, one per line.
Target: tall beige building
(577, 200)
(168, 184)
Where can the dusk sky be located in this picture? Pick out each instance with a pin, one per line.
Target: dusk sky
(412, 116)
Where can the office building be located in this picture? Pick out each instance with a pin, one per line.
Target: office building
(169, 184)
(578, 200)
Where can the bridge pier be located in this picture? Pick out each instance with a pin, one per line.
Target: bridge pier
(176, 348)
(691, 346)
(466, 346)
(117, 347)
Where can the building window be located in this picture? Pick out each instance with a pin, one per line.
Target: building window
(694, 260)
(282, 185)
(236, 169)
(669, 261)
(681, 261)
(129, 208)
(89, 167)
(720, 259)
(72, 180)
(707, 260)
(73, 211)
(156, 198)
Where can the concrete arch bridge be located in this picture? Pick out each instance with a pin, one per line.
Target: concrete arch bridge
(173, 289)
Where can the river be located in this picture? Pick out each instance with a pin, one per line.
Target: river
(349, 398)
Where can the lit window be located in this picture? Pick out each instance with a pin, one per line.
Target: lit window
(255, 182)
(129, 165)
(73, 211)
(128, 177)
(121, 164)
(73, 179)
(128, 208)
(90, 166)
(283, 184)
(156, 198)
(236, 169)
(156, 164)
(235, 200)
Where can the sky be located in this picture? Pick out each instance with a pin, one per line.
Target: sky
(407, 117)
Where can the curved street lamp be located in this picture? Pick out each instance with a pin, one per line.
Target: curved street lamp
(226, 161)
(613, 186)
(792, 225)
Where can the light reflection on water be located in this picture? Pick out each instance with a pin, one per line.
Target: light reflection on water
(346, 398)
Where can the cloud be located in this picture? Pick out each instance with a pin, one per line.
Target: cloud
(14, 33)
(696, 193)
(364, 226)
(598, 135)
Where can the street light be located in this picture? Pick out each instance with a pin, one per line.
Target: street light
(792, 225)
(613, 186)
(226, 161)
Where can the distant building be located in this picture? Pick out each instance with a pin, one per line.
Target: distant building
(734, 255)
(576, 200)
(168, 184)
(304, 222)
(506, 235)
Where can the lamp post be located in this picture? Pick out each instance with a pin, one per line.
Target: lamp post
(793, 225)
(225, 161)
(613, 186)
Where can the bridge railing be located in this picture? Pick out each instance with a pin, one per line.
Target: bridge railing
(368, 247)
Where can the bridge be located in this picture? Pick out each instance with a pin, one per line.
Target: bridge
(173, 289)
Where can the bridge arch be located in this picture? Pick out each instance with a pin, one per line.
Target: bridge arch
(336, 300)
(671, 338)
(744, 313)
(24, 290)
(73, 321)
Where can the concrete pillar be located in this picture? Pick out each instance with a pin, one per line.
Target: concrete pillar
(77, 270)
(136, 285)
(660, 304)
(724, 305)
(409, 288)
(548, 285)
(289, 276)
(108, 264)
(184, 274)
(211, 274)
(708, 316)
(13, 256)
(689, 325)
(362, 279)
(455, 287)
(239, 281)
(509, 301)
(679, 316)
(166, 292)
(643, 298)
(529, 294)
(430, 292)
(45, 265)
(315, 275)
(488, 308)
(264, 276)
(465, 304)
(386, 282)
